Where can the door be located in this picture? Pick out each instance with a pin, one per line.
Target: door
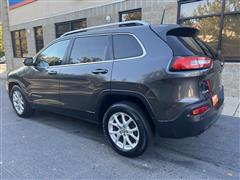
(87, 74)
(44, 78)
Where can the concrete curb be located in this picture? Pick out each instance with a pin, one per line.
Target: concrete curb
(232, 106)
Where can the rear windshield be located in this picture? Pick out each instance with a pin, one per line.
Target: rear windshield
(183, 45)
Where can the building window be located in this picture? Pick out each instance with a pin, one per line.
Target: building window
(38, 31)
(218, 22)
(231, 37)
(209, 29)
(19, 43)
(135, 14)
(64, 27)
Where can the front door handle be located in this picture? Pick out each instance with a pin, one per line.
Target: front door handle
(100, 71)
(52, 72)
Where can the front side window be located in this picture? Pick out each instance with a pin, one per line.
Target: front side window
(64, 27)
(53, 55)
(19, 43)
(91, 49)
(129, 15)
(126, 46)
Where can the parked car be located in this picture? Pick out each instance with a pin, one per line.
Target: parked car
(2, 60)
(136, 80)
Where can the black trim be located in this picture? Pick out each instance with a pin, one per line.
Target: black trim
(102, 97)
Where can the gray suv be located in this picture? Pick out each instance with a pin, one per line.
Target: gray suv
(136, 80)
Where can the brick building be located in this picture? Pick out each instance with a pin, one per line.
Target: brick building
(35, 23)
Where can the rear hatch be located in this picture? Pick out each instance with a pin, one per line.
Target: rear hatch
(191, 54)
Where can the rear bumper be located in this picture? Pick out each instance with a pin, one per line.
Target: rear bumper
(187, 125)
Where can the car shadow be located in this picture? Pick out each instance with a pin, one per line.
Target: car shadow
(70, 125)
(221, 140)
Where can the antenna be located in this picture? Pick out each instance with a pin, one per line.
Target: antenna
(163, 15)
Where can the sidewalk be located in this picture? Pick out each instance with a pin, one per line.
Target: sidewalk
(3, 73)
(231, 104)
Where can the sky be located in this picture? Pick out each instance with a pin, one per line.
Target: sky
(12, 2)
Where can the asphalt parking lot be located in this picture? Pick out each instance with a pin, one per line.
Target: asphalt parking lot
(50, 146)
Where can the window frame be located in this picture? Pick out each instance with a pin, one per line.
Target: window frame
(66, 54)
(69, 23)
(20, 42)
(36, 39)
(221, 15)
(129, 11)
(112, 50)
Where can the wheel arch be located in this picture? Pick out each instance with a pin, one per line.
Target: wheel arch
(108, 98)
(11, 84)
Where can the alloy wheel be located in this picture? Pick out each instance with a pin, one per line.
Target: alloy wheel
(123, 131)
(18, 102)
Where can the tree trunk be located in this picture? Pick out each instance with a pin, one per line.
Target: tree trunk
(7, 39)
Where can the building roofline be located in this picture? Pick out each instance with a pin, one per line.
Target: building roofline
(20, 4)
(69, 12)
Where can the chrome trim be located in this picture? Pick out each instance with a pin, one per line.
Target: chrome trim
(103, 26)
(113, 60)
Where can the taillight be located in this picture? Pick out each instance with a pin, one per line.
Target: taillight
(200, 110)
(191, 63)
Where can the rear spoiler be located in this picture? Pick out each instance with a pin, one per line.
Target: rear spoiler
(174, 30)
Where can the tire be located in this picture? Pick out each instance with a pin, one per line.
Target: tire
(19, 102)
(136, 132)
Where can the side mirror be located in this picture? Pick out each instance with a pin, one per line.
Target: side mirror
(28, 61)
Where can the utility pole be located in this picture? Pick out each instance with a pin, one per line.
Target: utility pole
(7, 39)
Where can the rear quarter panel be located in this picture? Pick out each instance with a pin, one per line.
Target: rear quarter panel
(167, 93)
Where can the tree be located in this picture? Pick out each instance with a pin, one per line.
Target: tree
(1, 42)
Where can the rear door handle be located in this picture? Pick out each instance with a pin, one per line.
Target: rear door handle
(100, 71)
(52, 72)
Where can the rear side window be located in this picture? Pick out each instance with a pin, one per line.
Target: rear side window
(126, 46)
(189, 46)
(91, 49)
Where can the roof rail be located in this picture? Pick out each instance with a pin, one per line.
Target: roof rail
(119, 24)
